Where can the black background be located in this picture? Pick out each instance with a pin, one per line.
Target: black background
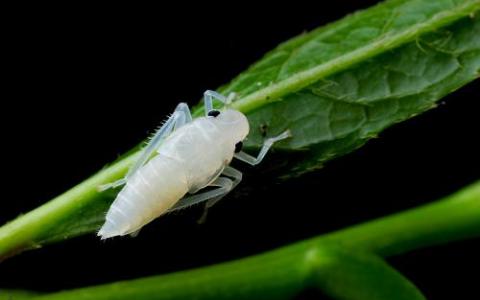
(86, 84)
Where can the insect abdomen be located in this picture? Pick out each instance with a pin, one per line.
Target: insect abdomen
(155, 188)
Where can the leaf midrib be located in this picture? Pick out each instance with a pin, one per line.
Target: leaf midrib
(296, 82)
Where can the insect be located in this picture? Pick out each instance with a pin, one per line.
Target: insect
(183, 157)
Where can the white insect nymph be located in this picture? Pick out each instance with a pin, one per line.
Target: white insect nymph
(190, 155)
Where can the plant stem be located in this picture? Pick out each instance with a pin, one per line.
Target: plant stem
(32, 229)
(453, 218)
(282, 273)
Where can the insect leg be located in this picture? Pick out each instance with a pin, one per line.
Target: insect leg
(231, 172)
(112, 185)
(180, 117)
(135, 233)
(187, 116)
(209, 95)
(224, 185)
(245, 157)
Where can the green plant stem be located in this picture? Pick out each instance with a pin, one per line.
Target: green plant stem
(453, 218)
(282, 273)
(27, 231)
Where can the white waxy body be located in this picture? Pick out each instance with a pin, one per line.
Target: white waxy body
(188, 160)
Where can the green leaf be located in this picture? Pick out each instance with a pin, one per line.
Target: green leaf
(16, 294)
(346, 275)
(334, 88)
(339, 86)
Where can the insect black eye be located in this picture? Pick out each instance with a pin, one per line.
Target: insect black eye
(238, 147)
(213, 113)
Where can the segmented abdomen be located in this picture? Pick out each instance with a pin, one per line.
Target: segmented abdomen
(149, 193)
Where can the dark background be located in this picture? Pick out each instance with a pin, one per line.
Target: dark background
(87, 84)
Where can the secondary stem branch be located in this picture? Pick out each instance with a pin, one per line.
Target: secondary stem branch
(283, 272)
